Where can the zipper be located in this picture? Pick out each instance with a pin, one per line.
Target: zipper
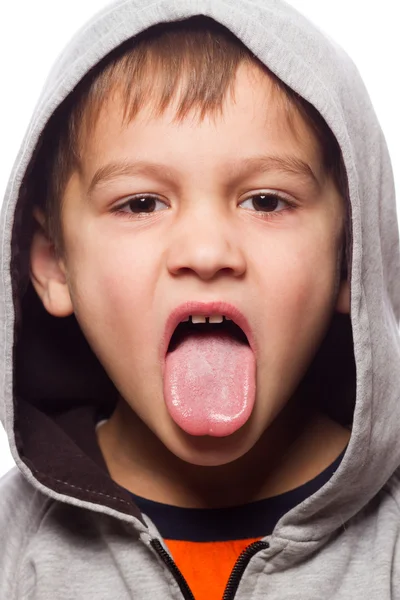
(234, 578)
(240, 567)
(170, 563)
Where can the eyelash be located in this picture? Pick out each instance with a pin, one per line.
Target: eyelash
(265, 215)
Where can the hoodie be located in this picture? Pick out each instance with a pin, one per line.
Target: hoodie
(66, 529)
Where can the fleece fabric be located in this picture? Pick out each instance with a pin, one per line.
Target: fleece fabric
(66, 529)
(206, 543)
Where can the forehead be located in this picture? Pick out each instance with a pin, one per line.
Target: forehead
(253, 112)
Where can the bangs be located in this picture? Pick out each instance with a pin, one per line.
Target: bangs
(184, 64)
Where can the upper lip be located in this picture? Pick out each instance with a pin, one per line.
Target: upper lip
(183, 311)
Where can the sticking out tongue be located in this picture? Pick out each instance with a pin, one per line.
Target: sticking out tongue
(209, 383)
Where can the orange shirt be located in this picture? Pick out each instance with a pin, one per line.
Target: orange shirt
(207, 566)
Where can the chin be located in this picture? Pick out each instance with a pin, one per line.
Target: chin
(211, 451)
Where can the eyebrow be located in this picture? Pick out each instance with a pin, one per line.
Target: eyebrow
(113, 170)
(293, 165)
(288, 164)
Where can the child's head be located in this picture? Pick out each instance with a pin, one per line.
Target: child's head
(180, 170)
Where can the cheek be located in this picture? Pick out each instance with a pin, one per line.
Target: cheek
(298, 279)
(113, 270)
(112, 288)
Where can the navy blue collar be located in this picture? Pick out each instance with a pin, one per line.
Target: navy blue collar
(253, 520)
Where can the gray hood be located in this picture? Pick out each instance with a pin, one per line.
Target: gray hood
(51, 383)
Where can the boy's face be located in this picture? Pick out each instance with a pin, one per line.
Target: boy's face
(204, 241)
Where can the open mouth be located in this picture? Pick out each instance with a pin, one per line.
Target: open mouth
(209, 376)
(187, 328)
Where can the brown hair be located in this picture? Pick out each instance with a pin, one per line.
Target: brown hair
(194, 61)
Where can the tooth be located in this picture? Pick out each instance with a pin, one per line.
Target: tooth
(198, 319)
(227, 319)
(185, 320)
(216, 319)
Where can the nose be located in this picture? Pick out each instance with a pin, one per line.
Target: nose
(206, 245)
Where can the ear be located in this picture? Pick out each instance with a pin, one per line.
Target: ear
(343, 299)
(48, 273)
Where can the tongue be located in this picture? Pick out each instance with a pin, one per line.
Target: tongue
(209, 383)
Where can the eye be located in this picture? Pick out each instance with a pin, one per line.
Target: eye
(142, 203)
(268, 203)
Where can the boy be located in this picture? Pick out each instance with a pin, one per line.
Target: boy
(192, 412)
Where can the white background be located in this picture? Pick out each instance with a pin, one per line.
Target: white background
(33, 33)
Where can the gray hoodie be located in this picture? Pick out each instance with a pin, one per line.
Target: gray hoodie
(67, 531)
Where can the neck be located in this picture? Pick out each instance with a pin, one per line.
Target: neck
(293, 450)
